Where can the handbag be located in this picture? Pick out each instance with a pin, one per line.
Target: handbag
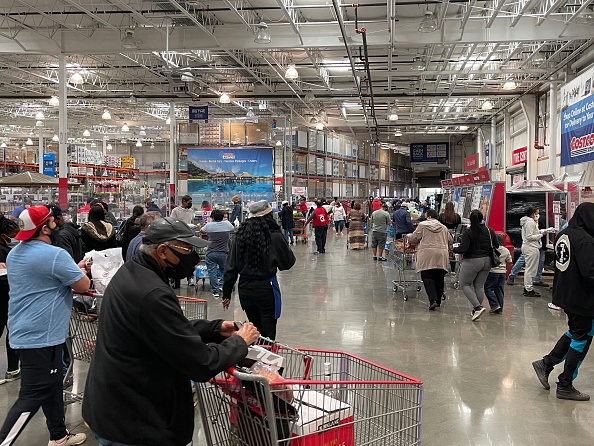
(494, 252)
(347, 222)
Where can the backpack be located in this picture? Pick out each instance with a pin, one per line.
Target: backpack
(121, 233)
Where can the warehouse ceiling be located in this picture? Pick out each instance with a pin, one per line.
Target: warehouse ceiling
(434, 64)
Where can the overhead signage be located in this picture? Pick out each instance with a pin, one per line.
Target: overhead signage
(519, 156)
(49, 164)
(482, 176)
(471, 162)
(447, 183)
(430, 152)
(577, 120)
(198, 113)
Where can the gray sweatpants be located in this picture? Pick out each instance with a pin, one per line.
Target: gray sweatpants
(473, 275)
(531, 257)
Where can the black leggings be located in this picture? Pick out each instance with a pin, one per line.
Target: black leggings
(11, 357)
(434, 283)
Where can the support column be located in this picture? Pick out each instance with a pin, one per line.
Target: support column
(172, 157)
(40, 150)
(528, 104)
(63, 134)
(493, 144)
(480, 145)
(553, 129)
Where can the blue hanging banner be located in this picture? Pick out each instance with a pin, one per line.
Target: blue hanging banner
(437, 152)
(198, 113)
(49, 164)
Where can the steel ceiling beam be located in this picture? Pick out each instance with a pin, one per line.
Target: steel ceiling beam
(292, 14)
(547, 7)
(497, 6)
(521, 8)
(91, 14)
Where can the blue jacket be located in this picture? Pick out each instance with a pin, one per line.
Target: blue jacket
(402, 222)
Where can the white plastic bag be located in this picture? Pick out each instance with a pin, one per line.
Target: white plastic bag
(105, 265)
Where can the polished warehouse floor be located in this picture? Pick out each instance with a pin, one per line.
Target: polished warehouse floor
(480, 388)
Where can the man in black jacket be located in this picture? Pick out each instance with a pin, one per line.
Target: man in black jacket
(138, 389)
(573, 290)
(69, 235)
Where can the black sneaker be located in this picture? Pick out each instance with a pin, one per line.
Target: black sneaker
(374, 258)
(571, 393)
(540, 283)
(542, 372)
(433, 306)
(382, 259)
(531, 293)
(510, 280)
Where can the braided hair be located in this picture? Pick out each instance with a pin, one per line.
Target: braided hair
(253, 240)
(7, 227)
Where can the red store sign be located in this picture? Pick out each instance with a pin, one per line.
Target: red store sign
(471, 162)
(519, 156)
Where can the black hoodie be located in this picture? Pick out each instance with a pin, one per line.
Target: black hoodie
(138, 387)
(573, 285)
(70, 241)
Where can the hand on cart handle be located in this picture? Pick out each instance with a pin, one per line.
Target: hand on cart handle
(85, 264)
(248, 332)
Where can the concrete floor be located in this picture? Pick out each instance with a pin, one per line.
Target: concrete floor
(480, 388)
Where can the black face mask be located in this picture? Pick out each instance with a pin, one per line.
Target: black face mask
(55, 235)
(185, 267)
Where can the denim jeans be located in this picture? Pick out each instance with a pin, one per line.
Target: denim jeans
(521, 262)
(289, 235)
(104, 442)
(494, 289)
(215, 263)
(339, 225)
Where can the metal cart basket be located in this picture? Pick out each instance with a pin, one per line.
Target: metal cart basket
(404, 255)
(358, 403)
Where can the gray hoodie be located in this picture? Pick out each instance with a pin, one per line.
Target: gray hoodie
(530, 233)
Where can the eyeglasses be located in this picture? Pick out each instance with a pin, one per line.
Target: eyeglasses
(183, 248)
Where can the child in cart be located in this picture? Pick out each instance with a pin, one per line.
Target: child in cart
(496, 279)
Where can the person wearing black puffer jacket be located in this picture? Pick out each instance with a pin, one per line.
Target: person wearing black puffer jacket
(573, 291)
(69, 235)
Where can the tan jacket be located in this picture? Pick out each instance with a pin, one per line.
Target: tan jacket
(434, 241)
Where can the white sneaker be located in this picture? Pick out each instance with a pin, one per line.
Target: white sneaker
(71, 440)
(191, 282)
(216, 295)
(11, 376)
(552, 306)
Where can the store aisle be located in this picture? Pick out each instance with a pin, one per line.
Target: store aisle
(480, 388)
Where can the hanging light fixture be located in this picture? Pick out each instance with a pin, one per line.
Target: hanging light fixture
(55, 138)
(312, 120)
(309, 96)
(487, 105)
(224, 98)
(319, 126)
(125, 128)
(39, 115)
(109, 147)
(463, 128)
(54, 101)
(279, 143)
(250, 113)
(392, 115)
(93, 144)
(539, 57)
(168, 120)
(429, 23)
(291, 72)
(510, 85)
(124, 141)
(152, 145)
(39, 124)
(142, 132)
(29, 142)
(86, 133)
(418, 64)
(128, 41)
(187, 77)
(398, 133)
(3, 145)
(106, 115)
(138, 143)
(76, 79)
(262, 36)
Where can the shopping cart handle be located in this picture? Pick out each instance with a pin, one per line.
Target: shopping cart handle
(231, 370)
(90, 293)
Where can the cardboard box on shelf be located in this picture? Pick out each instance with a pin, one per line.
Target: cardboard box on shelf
(234, 132)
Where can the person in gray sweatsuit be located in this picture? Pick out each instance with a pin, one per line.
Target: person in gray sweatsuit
(531, 243)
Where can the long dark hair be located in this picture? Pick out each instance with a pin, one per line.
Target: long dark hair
(449, 215)
(253, 240)
(96, 217)
(476, 228)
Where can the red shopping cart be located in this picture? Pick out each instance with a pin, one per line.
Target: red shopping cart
(323, 398)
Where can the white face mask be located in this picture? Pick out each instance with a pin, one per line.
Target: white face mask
(536, 218)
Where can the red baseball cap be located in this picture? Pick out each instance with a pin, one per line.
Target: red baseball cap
(31, 219)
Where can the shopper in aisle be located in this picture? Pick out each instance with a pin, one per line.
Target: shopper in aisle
(401, 220)
(338, 217)
(130, 228)
(97, 234)
(206, 206)
(150, 206)
(531, 243)
(184, 212)
(69, 234)
(451, 220)
(257, 252)
(109, 217)
(39, 315)
(20, 208)
(475, 244)
(287, 221)
(144, 221)
(380, 220)
(376, 205)
(236, 212)
(574, 293)
(219, 232)
(143, 365)
(496, 279)
(434, 241)
(356, 230)
(8, 230)
(319, 220)
(303, 207)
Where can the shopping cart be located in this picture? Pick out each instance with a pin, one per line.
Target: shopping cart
(301, 230)
(404, 255)
(323, 398)
(194, 309)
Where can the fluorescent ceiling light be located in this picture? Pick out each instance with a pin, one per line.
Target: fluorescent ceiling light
(86, 133)
(262, 36)
(398, 134)
(463, 128)
(125, 128)
(428, 24)
(510, 85)
(39, 124)
(39, 115)
(337, 65)
(54, 101)
(55, 138)
(76, 79)
(487, 105)
(128, 42)
(291, 72)
(138, 143)
(106, 115)
(29, 142)
(224, 98)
